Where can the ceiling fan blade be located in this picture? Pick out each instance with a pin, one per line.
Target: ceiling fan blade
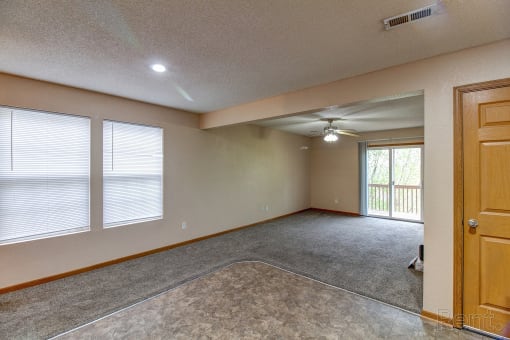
(337, 130)
(347, 133)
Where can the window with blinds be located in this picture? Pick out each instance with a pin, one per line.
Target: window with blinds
(132, 173)
(44, 174)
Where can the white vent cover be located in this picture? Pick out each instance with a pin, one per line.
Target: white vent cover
(408, 17)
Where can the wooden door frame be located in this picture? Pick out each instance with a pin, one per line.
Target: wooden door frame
(458, 191)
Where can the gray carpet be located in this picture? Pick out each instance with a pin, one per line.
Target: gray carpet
(365, 255)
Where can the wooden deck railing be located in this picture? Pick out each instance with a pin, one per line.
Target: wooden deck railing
(406, 198)
(378, 197)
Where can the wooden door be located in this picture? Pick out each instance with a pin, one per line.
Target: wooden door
(486, 152)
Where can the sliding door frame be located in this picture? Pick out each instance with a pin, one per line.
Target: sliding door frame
(391, 189)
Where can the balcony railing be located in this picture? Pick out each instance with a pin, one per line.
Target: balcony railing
(406, 200)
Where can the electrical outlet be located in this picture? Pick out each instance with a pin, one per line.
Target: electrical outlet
(184, 225)
(266, 208)
(336, 200)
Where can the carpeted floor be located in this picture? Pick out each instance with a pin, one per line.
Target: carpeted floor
(365, 255)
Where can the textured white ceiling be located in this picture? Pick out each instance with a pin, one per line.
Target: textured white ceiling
(398, 112)
(221, 53)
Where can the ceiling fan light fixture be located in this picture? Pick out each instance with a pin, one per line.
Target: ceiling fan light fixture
(330, 137)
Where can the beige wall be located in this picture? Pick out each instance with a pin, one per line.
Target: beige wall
(214, 180)
(190, 164)
(334, 176)
(436, 76)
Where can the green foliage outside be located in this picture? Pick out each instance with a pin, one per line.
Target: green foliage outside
(406, 172)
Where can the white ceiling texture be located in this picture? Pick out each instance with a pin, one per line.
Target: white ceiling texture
(396, 112)
(221, 53)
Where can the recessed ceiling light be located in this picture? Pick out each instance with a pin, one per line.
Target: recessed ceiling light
(158, 68)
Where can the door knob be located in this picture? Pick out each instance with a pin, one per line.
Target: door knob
(473, 223)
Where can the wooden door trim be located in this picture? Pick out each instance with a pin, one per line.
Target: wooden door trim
(458, 190)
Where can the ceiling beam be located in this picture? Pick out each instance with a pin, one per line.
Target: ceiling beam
(338, 93)
(431, 73)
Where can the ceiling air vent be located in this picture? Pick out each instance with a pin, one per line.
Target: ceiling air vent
(405, 18)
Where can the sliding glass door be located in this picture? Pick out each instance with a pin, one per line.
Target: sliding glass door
(378, 180)
(394, 182)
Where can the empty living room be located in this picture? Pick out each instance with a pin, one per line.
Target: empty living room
(253, 169)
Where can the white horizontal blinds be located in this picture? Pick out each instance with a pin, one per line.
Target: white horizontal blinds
(132, 173)
(44, 174)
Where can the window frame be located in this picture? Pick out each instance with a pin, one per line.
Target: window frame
(161, 217)
(70, 231)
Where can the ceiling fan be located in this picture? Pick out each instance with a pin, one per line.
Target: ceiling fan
(332, 132)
